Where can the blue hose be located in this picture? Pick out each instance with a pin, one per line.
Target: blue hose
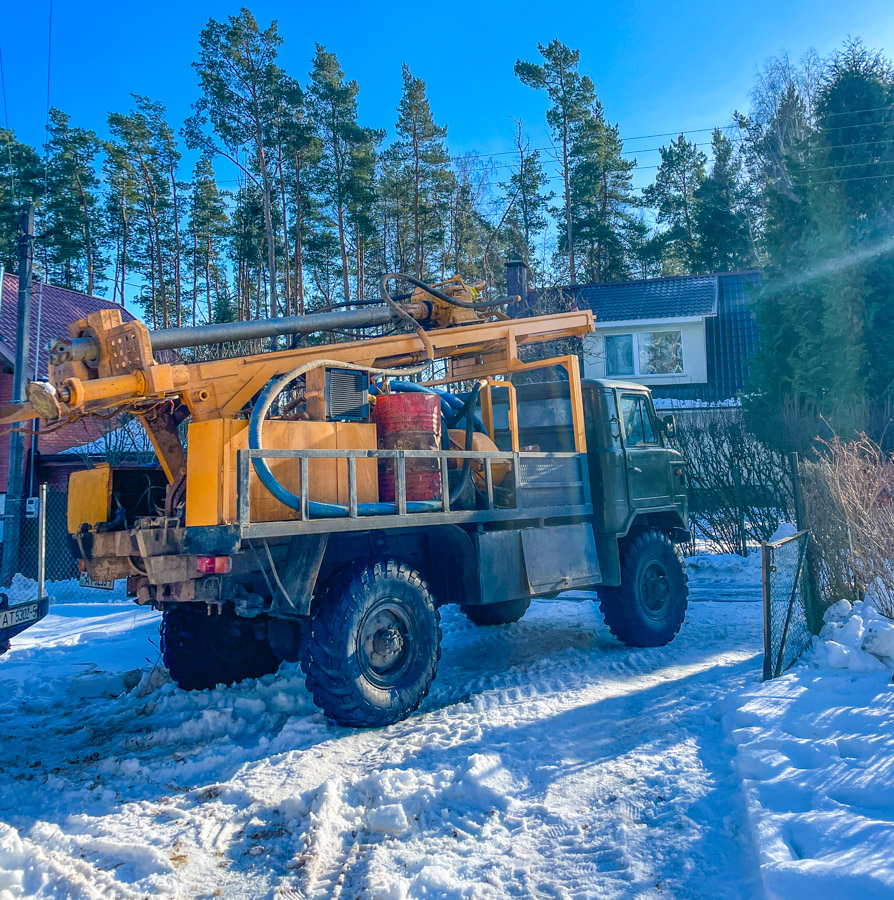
(293, 501)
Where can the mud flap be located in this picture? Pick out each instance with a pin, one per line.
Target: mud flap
(560, 557)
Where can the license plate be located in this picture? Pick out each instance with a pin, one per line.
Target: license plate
(18, 615)
(84, 580)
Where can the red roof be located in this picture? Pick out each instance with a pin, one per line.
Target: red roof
(52, 309)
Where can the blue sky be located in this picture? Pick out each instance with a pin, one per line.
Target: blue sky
(658, 67)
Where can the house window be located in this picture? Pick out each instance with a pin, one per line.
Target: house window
(644, 353)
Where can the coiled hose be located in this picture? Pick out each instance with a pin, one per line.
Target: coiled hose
(284, 495)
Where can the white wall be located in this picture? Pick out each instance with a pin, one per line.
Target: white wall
(692, 334)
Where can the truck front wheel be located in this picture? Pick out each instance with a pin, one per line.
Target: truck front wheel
(374, 644)
(202, 648)
(648, 608)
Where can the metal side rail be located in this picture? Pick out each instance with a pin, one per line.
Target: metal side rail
(546, 486)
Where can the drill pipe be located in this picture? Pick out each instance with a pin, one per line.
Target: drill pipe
(178, 338)
(86, 348)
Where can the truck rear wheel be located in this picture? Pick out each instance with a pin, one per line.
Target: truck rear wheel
(374, 644)
(203, 648)
(649, 607)
(497, 613)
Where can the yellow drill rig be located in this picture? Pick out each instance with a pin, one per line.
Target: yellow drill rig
(314, 503)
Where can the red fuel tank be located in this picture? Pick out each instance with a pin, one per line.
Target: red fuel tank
(409, 422)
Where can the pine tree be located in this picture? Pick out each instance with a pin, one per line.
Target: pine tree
(248, 243)
(138, 164)
(340, 178)
(208, 229)
(421, 152)
(239, 79)
(72, 223)
(572, 97)
(680, 174)
(603, 203)
(122, 204)
(21, 179)
(526, 218)
(724, 237)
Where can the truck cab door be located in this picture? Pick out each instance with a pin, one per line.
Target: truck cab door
(648, 483)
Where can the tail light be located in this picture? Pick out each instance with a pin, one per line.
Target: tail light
(213, 565)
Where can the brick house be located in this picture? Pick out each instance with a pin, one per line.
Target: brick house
(52, 308)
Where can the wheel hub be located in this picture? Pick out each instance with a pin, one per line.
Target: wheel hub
(387, 646)
(386, 643)
(655, 589)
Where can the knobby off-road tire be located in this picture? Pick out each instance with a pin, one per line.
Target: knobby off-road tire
(497, 613)
(201, 651)
(649, 607)
(373, 644)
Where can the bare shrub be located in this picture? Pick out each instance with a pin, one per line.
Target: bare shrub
(848, 494)
(739, 486)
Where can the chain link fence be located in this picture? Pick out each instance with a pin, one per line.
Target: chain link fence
(788, 603)
(62, 580)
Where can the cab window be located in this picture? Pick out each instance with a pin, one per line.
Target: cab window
(638, 428)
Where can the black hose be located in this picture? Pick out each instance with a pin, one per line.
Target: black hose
(399, 276)
(469, 411)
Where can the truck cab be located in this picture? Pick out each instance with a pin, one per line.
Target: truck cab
(637, 480)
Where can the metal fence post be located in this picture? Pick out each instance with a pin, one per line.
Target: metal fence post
(42, 542)
(766, 553)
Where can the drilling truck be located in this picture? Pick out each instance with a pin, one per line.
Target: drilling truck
(320, 502)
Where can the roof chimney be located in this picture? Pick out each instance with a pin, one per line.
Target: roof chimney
(517, 274)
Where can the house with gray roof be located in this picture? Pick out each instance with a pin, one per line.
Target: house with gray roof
(689, 338)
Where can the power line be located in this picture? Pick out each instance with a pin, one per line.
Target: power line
(847, 180)
(46, 154)
(49, 60)
(3, 83)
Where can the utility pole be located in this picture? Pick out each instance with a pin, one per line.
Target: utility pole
(14, 511)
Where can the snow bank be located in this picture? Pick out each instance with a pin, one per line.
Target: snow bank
(23, 589)
(717, 566)
(814, 751)
(855, 637)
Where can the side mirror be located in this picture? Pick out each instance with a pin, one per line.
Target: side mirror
(669, 424)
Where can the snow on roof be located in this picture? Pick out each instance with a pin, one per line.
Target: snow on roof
(130, 437)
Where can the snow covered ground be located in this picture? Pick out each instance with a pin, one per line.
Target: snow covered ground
(816, 755)
(548, 762)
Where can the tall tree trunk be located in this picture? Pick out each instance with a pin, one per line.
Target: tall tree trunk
(342, 243)
(286, 275)
(195, 273)
(268, 221)
(177, 249)
(569, 228)
(417, 239)
(299, 242)
(208, 280)
(125, 230)
(88, 237)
